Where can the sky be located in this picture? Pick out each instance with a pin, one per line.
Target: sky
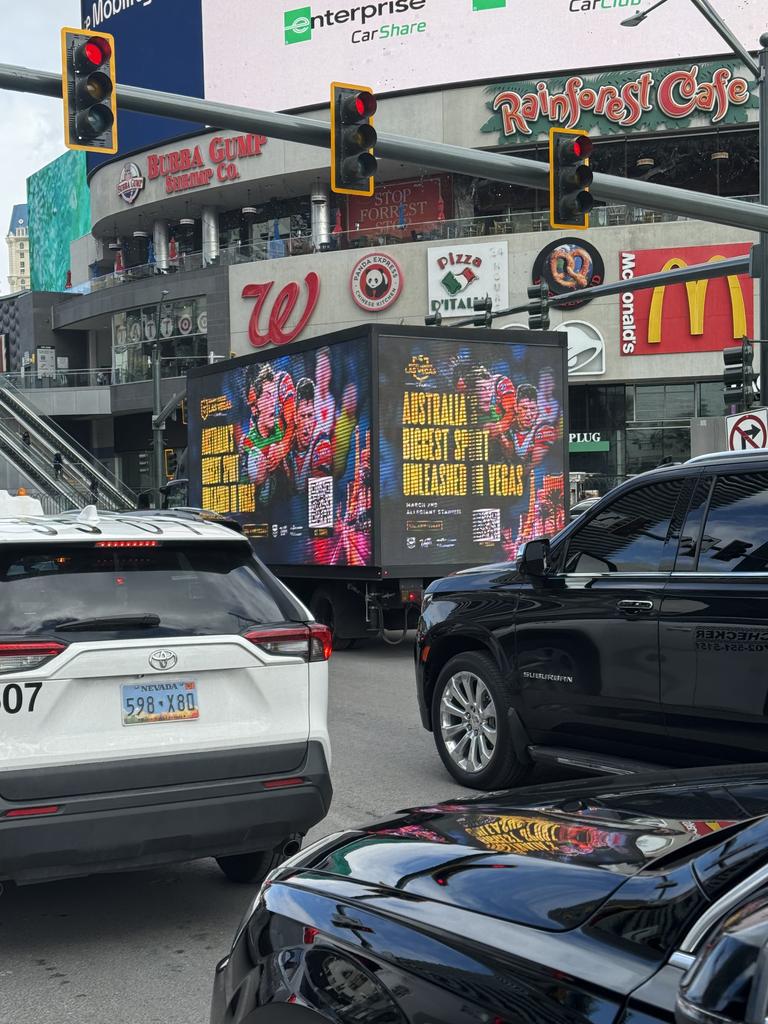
(32, 125)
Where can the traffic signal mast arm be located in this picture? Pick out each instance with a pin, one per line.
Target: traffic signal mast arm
(435, 155)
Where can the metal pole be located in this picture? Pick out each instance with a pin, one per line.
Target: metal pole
(438, 156)
(725, 33)
(762, 262)
(157, 426)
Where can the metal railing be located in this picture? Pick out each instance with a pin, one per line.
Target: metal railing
(171, 366)
(368, 236)
(61, 379)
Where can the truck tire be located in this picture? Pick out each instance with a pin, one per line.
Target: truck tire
(324, 610)
(470, 707)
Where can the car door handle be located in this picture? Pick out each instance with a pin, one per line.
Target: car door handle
(635, 606)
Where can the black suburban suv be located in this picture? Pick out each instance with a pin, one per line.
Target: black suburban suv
(638, 636)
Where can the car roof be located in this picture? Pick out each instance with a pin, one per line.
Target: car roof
(92, 525)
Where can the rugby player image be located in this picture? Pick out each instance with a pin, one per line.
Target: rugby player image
(271, 399)
(311, 454)
(531, 438)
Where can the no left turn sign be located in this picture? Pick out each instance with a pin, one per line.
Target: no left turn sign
(747, 431)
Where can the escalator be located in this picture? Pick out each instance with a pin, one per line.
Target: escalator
(30, 441)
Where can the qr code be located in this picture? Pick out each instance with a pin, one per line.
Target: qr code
(486, 525)
(320, 502)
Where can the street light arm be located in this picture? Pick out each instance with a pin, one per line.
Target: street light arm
(725, 33)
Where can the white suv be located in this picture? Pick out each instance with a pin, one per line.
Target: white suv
(163, 697)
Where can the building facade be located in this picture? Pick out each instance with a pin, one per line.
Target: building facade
(223, 243)
(19, 257)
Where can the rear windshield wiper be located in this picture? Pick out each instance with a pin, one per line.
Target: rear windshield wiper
(145, 620)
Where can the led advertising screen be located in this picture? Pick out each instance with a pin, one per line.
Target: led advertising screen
(283, 54)
(284, 446)
(471, 449)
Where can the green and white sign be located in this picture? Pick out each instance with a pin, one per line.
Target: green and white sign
(588, 442)
(298, 25)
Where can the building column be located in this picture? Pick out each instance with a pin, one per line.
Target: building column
(210, 235)
(321, 217)
(160, 242)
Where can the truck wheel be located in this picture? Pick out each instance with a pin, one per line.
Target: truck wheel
(254, 867)
(470, 724)
(322, 608)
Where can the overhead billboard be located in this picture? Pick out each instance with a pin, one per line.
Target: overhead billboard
(297, 48)
(282, 54)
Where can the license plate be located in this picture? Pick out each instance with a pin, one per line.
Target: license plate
(146, 703)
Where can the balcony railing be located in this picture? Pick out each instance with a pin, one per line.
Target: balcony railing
(381, 235)
(171, 366)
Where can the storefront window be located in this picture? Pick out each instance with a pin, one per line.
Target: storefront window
(649, 447)
(258, 235)
(659, 402)
(710, 398)
(183, 328)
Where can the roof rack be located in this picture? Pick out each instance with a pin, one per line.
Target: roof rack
(749, 453)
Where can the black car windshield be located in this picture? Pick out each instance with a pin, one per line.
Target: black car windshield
(172, 589)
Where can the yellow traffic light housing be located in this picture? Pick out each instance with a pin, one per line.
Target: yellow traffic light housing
(570, 178)
(353, 138)
(88, 90)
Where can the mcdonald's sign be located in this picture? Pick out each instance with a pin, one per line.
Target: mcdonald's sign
(700, 316)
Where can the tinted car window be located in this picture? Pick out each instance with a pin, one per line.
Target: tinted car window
(627, 536)
(196, 589)
(735, 535)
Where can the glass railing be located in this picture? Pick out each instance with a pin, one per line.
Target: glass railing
(175, 366)
(61, 379)
(171, 366)
(381, 235)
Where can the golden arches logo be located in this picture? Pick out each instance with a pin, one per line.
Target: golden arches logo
(697, 298)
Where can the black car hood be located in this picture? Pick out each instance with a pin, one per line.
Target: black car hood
(548, 857)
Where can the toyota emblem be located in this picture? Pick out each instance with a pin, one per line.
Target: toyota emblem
(162, 660)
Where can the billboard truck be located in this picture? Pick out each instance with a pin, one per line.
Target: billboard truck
(365, 463)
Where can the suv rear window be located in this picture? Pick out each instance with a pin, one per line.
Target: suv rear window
(199, 589)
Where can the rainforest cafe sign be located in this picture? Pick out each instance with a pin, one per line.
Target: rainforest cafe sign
(616, 101)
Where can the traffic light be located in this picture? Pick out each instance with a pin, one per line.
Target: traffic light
(570, 178)
(171, 462)
(739, 375)
(88, 89)
(145, 464)
(538, 309)
(353, 137)
(483, 306)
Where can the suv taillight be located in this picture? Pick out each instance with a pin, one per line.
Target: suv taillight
(312, 643)
(20, 657)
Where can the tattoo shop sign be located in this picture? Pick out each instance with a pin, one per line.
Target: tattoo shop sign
(613, 102)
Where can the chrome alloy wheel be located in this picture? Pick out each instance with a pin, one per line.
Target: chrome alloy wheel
(468, 722)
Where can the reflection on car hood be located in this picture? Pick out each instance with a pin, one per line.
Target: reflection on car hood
(547, 857)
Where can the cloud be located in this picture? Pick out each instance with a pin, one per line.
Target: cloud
(33, 124)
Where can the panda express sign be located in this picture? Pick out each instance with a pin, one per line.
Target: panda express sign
(662, 99)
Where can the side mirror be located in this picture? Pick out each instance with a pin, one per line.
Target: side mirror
(534, 560)
(728, 982)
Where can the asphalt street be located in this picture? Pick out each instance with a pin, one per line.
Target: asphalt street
(140, 947)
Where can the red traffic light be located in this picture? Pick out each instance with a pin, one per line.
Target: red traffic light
(358, 106)
(96, 51)
(582, 147)
(365, 104)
